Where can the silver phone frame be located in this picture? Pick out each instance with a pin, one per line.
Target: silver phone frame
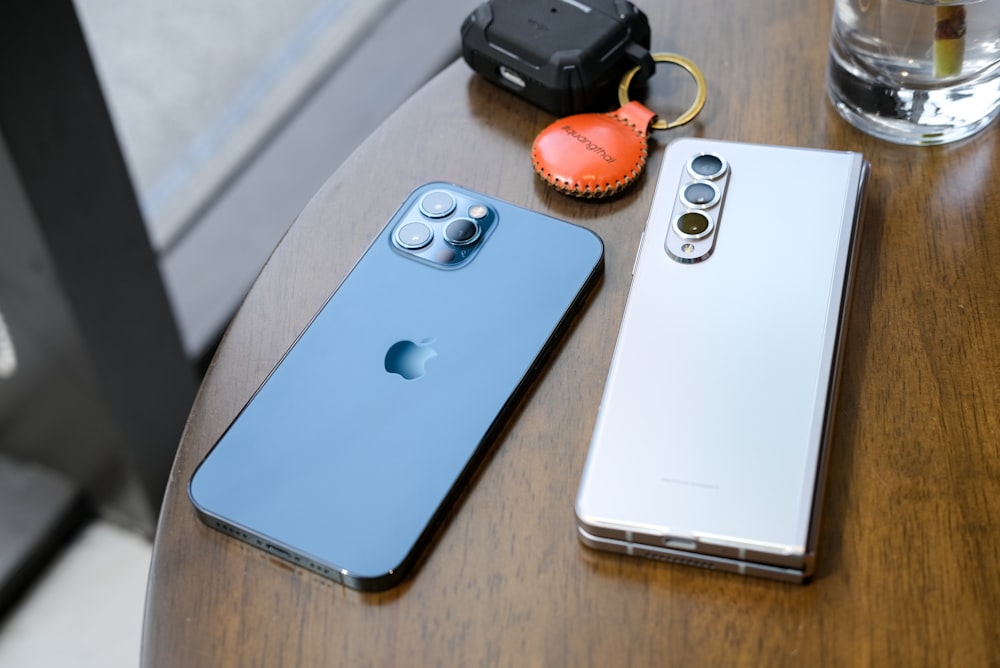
(745, 557)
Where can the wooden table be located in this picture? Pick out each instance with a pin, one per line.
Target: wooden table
(909, 570)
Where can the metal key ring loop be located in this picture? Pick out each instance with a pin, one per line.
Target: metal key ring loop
(692, 69)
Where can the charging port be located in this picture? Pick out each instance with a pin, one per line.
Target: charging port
(275, 550)
(680, 544)
(511, 76)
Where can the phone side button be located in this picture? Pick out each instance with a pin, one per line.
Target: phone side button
(635, 262)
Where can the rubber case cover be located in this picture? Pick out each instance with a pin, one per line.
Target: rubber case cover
(565, 56)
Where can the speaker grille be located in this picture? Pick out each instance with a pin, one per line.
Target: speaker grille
(283, 554)
(680, 560)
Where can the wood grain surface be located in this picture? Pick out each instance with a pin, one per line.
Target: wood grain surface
(909, 562)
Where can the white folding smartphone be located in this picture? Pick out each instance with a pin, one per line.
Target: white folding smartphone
(711, 441)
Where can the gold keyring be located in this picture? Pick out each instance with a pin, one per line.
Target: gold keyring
(692, 69)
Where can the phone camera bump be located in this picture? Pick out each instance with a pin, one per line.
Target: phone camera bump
(437, 204)
(707, 166)
(693, 225)
(414, 236)
(700, 195)
(461, 232)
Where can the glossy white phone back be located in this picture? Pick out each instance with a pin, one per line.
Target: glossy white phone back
(711, 433)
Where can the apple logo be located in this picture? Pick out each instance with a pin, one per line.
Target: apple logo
(408, 359)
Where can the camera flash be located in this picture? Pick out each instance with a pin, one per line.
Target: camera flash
(477, 211)
(688, 248)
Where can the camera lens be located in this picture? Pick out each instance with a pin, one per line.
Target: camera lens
(693, 225)
(707, 166)
(414, 236)
(437, 204)
(461, 232)
(700, 195)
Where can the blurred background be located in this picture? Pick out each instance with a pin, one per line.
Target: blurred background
(152, 153)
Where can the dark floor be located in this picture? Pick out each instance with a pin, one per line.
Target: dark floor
(230, 116)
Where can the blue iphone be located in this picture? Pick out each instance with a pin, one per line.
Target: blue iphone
(347, 457)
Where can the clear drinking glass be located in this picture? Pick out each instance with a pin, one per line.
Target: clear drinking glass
(916, 71)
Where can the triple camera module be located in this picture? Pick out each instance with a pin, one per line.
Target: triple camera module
(697, 208)
(443, 228)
